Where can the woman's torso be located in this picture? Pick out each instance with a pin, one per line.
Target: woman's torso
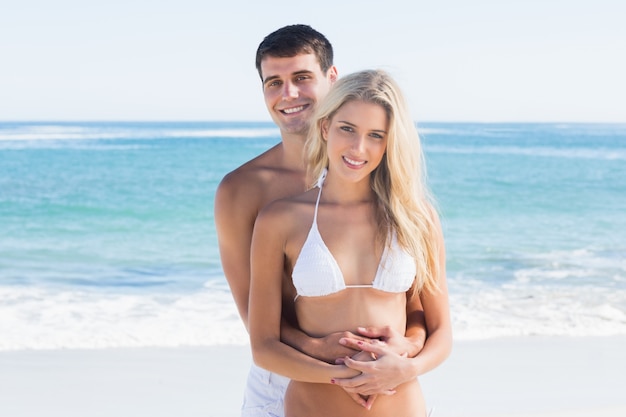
(350, 234)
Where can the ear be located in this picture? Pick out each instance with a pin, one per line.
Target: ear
(324, 129)
(332, 74)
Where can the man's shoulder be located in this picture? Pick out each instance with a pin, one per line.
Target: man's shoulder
(251, 185)
(251, 175)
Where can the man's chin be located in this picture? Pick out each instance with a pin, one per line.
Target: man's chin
(295, 129)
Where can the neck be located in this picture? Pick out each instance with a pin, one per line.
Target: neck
(293, 148)
(347, 192)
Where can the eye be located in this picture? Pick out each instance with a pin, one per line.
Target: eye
(274, 83)
(377, 135)
(346, 128)
(302, 77)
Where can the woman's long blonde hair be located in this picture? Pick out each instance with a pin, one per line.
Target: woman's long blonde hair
(405, 203)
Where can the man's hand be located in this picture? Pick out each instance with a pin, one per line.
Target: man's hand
(397, 342)
(381, 376)
(329, 348)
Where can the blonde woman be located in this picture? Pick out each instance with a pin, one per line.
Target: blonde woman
(364, 247)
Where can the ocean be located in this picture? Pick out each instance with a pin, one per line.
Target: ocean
(107, 236)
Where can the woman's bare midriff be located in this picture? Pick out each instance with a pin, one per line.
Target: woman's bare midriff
(304, 399)
(347, 310)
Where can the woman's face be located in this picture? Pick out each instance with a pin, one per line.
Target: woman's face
(356, 138)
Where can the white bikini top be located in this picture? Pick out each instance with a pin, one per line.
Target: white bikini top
(316, 272)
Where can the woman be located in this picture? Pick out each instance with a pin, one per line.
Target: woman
(362, 248)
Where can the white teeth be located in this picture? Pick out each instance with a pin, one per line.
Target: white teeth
(293, 110)
(352, 161)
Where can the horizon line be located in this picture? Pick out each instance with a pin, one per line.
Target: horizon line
(272, 123)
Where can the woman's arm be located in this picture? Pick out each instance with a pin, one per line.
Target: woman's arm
(267, 263)
(437, 313)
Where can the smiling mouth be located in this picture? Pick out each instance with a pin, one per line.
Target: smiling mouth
(293, 110)
(353, 162)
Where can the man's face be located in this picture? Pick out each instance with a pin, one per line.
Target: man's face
(292, 87)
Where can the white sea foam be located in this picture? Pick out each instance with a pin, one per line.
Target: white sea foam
(540, 151)
(64, 133)
(520, 309)
(36, 318)
(226, 133)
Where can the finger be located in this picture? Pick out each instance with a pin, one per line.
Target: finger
(370, 401)
(376, 347)
(361, 385)
(374, 332)
(358, 365)
(357, 398)
(349, 347)
(352, 390)
(352, 342)
(371, 331)
(349, 384)
(375, 390)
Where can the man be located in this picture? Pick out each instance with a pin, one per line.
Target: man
(295, 64)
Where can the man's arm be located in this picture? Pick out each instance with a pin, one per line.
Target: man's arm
(235, 212)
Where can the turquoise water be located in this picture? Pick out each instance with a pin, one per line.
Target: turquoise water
(107, 236)
(512, 193)
(122, 205)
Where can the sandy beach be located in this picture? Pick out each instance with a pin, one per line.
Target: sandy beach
(531, 376)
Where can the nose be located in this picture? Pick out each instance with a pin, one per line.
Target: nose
(358, 144)
(290, 90)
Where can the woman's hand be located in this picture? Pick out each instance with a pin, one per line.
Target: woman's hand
(381, 376)
(364, 400)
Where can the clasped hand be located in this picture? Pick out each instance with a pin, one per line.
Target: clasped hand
(381, 361)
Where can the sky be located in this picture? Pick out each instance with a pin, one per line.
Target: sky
(193, 60)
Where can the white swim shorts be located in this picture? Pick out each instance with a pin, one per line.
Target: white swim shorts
(264, 394)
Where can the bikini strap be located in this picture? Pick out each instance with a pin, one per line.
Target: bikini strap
(319, 184)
